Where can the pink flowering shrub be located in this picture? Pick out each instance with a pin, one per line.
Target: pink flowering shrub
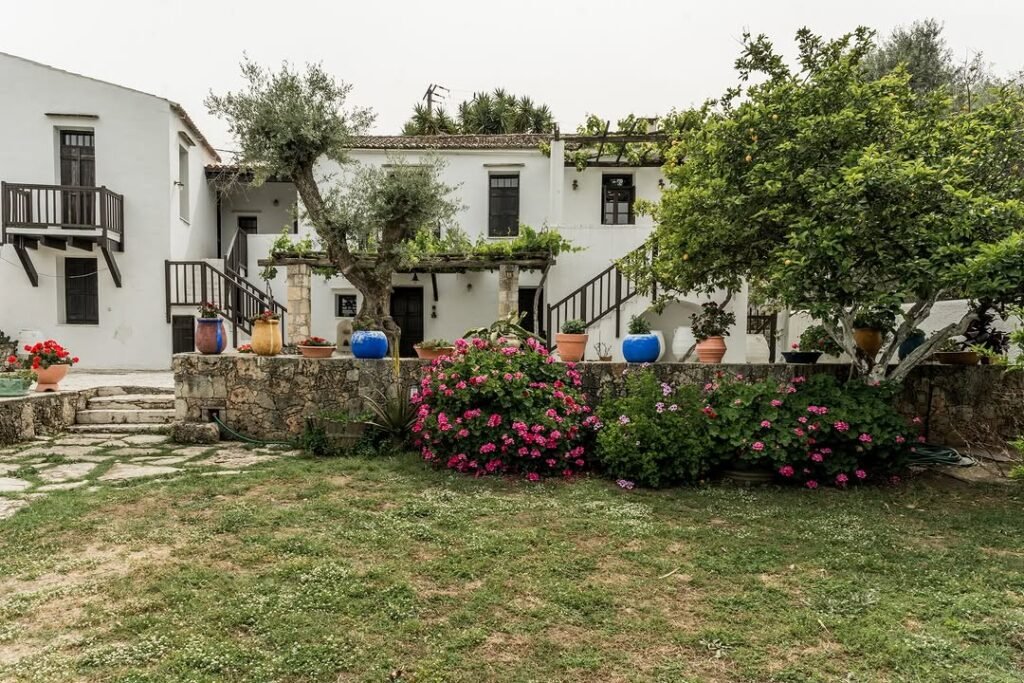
(500, 408)
(814, 431)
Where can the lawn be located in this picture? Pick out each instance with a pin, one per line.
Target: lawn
(383, 570)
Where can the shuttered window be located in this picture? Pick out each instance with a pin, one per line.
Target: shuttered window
(81, 292)
(617, 196)
(503, 206)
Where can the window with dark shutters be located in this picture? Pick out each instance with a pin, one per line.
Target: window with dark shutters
(617, 196)
(503, 205)
(81, 292)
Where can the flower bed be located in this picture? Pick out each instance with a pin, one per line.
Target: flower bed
(500, 408)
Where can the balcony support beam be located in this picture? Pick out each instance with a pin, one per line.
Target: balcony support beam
(108, 256)
(26, 262)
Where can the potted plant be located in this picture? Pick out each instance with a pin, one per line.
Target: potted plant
(368, 342)
(814, 342)
(908, 345)
(245, 348)
(983, 337)
(211, 337)
(710, 328)
(434, 348)
(50, 362)
(266, 334)
(316, 347)
(572, 340)
(640, 346)
(952, 352)
(14, 380)
(870, 328)
(604, 351)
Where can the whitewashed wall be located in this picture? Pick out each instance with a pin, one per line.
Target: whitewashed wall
(133, 139)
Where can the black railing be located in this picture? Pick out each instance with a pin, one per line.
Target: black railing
(236, 258)
(38, 207)
(603, 294)
(191, 283)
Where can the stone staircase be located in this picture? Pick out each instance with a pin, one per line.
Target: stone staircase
(116, 410)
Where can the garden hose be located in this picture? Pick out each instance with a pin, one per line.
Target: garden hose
(247, 439)
(930, 454)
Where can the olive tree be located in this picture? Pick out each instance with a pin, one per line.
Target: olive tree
(291, 124)
(840, 194)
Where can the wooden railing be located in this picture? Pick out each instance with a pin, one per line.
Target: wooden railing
(190, 283)
(601, 295)
(236, 258)
(62, 206)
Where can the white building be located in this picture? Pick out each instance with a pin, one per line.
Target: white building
(114, 229)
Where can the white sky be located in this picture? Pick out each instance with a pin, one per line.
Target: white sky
(610, 58)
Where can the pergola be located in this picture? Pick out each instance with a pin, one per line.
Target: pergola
(299, 270)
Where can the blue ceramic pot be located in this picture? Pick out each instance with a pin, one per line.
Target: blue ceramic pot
(369, 344)
(641, 348)
(909, 344)
(211, 338)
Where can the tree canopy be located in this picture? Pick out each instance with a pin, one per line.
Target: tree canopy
(286, 123)
(484, 114)
(841, 194)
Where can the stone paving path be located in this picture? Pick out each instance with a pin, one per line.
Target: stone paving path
(31, 470)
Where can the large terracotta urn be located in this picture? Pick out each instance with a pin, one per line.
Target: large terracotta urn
(868, 340)
(47, 379)
(211, 337)
(571, 347)
(711, 350)
(266, 337)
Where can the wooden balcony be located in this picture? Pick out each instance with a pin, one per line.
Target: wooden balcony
(61, 216)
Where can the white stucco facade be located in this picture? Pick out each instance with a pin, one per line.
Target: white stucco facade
(137, 139)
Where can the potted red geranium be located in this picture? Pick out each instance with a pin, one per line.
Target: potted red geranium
(211, 337)
(316, 347)
(50, 362)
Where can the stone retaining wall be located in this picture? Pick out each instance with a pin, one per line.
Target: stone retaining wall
(270, 398)
(25, 417)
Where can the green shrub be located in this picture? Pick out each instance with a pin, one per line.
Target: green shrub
(712, 321)
(654, 434)
(574, 327)
(815, 338)
(638, 325)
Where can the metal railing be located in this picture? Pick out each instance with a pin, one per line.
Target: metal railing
(236, 258)
(601, 295)
(191, 283)
(70, 207)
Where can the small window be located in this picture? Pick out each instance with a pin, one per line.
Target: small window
(345, 305)
(248, 224)
(617, 196)
(183, 190)
(81, 292)
(503, 219)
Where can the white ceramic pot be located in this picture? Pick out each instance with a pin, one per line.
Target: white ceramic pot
(661, 344)
(758, 350)
(682, 341)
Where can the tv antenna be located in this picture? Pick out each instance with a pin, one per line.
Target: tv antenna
(432, 92)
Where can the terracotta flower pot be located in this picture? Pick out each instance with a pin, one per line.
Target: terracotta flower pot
(435, 352)
(571, 347)
(868, 340)
(211, 338)
(316, 351)
(266, 337)
(957, 357)
(711, 350)
(47, 379)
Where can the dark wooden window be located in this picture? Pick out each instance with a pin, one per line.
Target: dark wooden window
(77, 169)
(183, 334)
(617, 196)
(503, 207)
(81, 292)
(248, 224)
(345, 305)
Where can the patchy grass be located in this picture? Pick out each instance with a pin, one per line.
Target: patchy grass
(381, 570)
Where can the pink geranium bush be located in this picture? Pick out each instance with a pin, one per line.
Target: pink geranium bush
(493, 408)
(812, 431)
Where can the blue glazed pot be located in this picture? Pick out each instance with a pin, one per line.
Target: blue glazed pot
(211, 338)
(369, 344)
(909, 344)
(641, 348)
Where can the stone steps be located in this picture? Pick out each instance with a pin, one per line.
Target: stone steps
(132, 402)
(123, 391)
(134, 428)
(125, 416)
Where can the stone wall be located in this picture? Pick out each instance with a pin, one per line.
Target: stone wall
(26, 417)
(271, 397)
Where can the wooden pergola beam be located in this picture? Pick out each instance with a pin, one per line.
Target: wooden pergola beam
(441, 263)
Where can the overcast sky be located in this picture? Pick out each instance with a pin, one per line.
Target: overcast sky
(610, 58)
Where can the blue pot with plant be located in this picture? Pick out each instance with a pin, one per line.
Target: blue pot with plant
(369, 344)
(640, 346)
(915, 339)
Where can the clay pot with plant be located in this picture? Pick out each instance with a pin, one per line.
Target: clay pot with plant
(955, 352)
(266, 334)
(211, 337)
(316, 347)
(710, 328)
(870, 329)
(49, 361)
(432, 349)
(814, 342)
(572, 340)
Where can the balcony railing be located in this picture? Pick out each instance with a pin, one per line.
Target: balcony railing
(28, 209)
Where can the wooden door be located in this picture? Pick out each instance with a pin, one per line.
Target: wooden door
(526, 295)
(407, 310)
(183, 334)
(78, 169)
